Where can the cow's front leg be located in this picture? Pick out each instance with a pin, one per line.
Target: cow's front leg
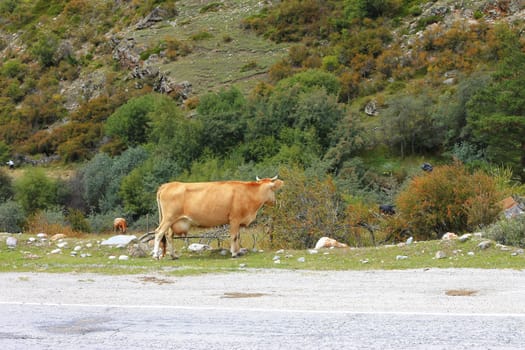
(234, 240)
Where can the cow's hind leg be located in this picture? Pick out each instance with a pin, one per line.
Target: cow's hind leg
(169, 242)
(160, 233)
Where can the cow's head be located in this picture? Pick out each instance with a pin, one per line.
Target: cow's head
(268, 187)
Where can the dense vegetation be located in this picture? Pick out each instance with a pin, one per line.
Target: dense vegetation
(451, 94)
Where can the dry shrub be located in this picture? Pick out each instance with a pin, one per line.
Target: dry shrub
(40, 223)
(448, 199)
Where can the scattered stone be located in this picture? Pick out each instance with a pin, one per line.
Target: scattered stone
(58, 236)
(112, 257)
(73, 253)
(364, 261)
(123, 257)
(242, 266)
(449, 236)
(478, 234)
(410, 240)
(77, 248)
(56, 251)
(280, 251)
(41, 235)
(31, 239)
(517, 252)
(301, 259)
(484, 244)
(440, 254)
(89, 245)
(465, 237)
(313, 251)
(138, 250)
(401, 257)
(242, 251)
(276, 257)
(84, 255)
(470, 253)
(224, 252)
(11, 242)
(62, 245)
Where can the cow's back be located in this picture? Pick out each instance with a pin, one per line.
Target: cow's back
(203, 203)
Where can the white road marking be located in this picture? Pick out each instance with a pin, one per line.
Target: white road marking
(289, 311)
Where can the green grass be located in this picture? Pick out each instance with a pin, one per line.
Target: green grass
(214, 62)
(30, 257)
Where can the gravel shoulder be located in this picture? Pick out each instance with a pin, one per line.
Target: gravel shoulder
(448, 291)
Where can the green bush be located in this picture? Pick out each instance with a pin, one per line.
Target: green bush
(509, 231)
(6, 187)
(35, 191)
(12, 217)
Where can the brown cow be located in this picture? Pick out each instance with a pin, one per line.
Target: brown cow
(208, 204)
(120, 224)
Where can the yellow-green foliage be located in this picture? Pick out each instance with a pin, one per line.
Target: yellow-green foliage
(448, 199)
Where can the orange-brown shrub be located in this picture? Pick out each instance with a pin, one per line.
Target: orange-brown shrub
(448, 199)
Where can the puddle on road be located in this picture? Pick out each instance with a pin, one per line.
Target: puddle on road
(237, 295)
(81, 326)
(461, 292)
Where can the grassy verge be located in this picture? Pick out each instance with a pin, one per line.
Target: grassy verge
(37, 256)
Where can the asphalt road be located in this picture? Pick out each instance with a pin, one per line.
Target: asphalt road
(266, 309)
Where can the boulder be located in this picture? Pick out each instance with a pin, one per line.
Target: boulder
(11, 242)
(119, 240)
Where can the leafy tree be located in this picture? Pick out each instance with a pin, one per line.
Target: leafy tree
(35, 191)
(221, 115)
(496, 114)
(409, 126)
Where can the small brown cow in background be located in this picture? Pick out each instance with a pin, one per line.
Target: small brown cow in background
(120, 224)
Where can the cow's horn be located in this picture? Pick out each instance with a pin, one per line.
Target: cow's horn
(275, 177)
(257, 178)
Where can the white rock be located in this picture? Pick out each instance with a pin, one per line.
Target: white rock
(89, 245)
(31, 239)
(364, 261)
(410, 240)
(242, 266)
(301, 259)
(280, 251)
(401, 257)
(465, 237)
(77, 248)
(112, 257)
(123, 257)
(277, 261)
(122, 240)
(224, 252)
(276, 257)
(449, 235)
(198, 247)
(470, 253)
(11, 242)
(56, 251)
(484, 244)
(312, 251)
(41, 235)
(62, 245)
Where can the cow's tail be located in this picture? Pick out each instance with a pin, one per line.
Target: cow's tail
(163, 241)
